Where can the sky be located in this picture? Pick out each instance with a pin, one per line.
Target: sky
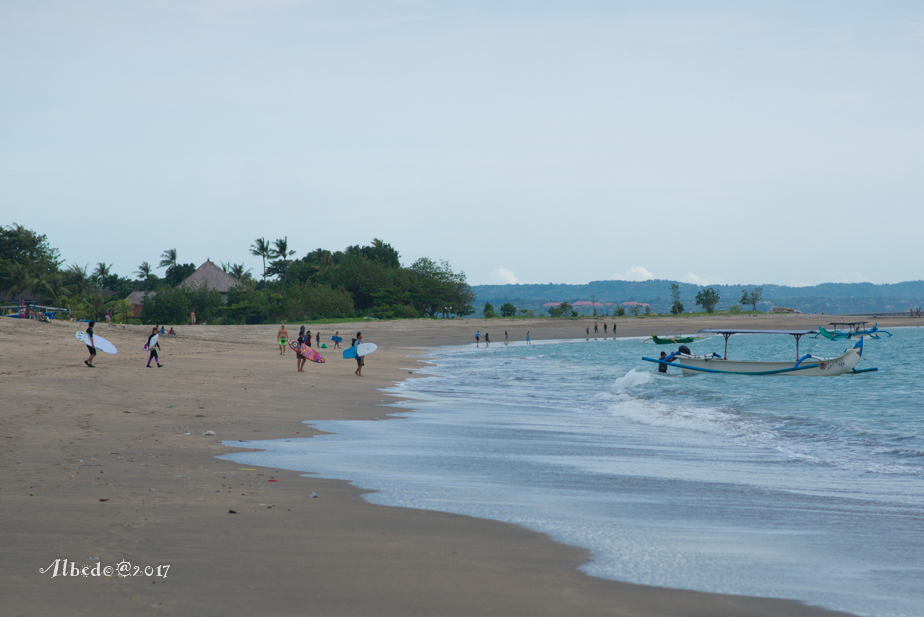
(530, 142)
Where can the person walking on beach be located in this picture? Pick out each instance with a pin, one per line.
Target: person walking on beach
(108, 316)
(335, 339)
(153, 348)
(308, 338)
(604, 328)
(359, 359)
(301, 331)
(596, 330)
(317, 339)
(299, 358)
(477, 337)
(506, 338)
(283, 337)
(527, 337)
(91, 346)
(587, 329)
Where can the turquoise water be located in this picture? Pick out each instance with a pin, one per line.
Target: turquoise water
(810, 488)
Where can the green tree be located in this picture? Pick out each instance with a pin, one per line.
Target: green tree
(488, 310)
(144, 270)
(634, 310)
(562, 310)
(261, 248)
(167, 306)
(177, 273)
(677, 305)
(753, 297)
(19, 245)
(508, 310)
(707, 298)
(619, 312)
(320, 301)
(168, 258)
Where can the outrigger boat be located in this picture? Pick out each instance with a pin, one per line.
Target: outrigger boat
(672, 340)
(853, 331)
(807, 365)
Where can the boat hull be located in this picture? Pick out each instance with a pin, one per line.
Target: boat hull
(810, 367)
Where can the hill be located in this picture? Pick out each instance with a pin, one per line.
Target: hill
(834, 298)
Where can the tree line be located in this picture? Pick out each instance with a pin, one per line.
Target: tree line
(359, 281)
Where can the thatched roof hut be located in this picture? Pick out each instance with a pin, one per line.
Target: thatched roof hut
(212, 277)
(136, 298)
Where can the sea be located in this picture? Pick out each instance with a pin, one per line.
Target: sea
(805, 488)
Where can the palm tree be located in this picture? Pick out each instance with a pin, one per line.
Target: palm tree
(54, 285)
(78, 278)
(281, 251)
(23, 279)
(169, 258)
(261, 248)
(235, 270)
(144, 270)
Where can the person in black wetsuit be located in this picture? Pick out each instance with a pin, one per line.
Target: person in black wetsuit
(91, 346)
(662, 368)
(153, 349)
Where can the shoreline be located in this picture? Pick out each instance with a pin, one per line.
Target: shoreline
(168, 499)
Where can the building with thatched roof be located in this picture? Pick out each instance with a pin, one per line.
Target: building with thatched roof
(212, 277)
(136, 298)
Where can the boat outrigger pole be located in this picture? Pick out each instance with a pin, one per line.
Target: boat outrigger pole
(797, 334)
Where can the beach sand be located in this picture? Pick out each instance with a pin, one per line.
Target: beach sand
(112, 464)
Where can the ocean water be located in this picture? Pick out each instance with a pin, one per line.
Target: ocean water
(808, 488)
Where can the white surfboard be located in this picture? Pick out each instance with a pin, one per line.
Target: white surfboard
(99, 342)
(364, 349)
(151, 344)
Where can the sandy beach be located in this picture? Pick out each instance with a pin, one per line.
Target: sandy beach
(117, 464)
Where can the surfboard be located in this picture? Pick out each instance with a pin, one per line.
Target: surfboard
(151, 344)
(100, 343)
(337, 339)
(312, 355)
(363, 349)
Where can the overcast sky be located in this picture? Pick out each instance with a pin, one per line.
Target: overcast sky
(716, 142)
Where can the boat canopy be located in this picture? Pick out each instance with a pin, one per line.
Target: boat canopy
(730, 332)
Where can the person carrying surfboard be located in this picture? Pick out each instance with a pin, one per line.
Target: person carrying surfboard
(153, 348)
(91, 346)
(299, 358)
(336, 339)
(359, 359)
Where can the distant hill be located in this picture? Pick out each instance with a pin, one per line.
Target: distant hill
(832, 297)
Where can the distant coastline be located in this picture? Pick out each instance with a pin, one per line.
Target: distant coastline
(832, 298)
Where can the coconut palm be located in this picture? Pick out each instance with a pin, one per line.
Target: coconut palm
(144, 270)
(55, 285)
(78, 279)
(169, 258)
(281, 251)
(262, 248)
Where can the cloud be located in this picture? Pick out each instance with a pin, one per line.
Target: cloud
(503, 276)
(636, 273)
(694, 279)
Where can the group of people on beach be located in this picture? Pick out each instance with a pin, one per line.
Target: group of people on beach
(597, 329)
(487, 338)
(304, 339)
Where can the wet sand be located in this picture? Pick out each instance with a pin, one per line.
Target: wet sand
(113, 464)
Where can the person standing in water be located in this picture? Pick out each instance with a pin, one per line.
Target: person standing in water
(336, 342)
(154, 348)
(477, 337)
(506, 338)
(359, 359)
(283, 337)
(487, 339)
(527, 337)
(91, 346)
